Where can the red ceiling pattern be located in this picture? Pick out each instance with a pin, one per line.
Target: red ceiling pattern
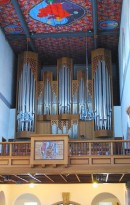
(108, 20)
(34, 26)
(109, 10)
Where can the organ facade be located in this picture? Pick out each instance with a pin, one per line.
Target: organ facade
(81, 107)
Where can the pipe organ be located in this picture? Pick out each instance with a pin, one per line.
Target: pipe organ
(64, 105)
(102, 74)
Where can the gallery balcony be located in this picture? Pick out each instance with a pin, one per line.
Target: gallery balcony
(79, 153)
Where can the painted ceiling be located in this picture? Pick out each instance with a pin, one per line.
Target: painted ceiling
(58, 28)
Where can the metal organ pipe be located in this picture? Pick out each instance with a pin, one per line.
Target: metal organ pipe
(60, 90)
(54, 101)
(47, 97)
(75, 103)
(96, 100)
(40, 104)
(81, 96)
(110, 103)
(104, 93)
(66, 94)
(64, 90)
(100, 96)
(33, 101)
(69, 92)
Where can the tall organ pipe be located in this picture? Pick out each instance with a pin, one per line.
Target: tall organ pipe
(64, 90)
(100, 96)
(47, 97)
(82, 102)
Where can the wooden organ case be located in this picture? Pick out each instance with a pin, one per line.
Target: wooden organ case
(58, 106)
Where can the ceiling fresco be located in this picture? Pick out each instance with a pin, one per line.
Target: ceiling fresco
(57, 28)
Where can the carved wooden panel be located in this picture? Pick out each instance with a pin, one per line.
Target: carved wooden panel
(75, 86)
(40, 87)
(54, 85)
(99, 55)
(43, 127)
(86, 129)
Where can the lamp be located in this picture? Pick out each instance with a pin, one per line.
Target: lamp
(95, 184)
(87, 113)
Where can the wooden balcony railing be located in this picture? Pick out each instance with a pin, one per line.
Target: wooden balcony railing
(76, 148)
(108, 147)
(15, 149)
(114, 151)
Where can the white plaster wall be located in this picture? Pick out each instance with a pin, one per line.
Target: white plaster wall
(125, 102)
(12, 124)
(6, 84)
(124, 63)
(80, 193)
(6, 68)
(4, 120)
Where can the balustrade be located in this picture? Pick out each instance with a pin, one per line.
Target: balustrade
(112, 147)
(15, 149)
(76, 148)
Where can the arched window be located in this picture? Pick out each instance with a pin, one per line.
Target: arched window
(105, 199)
(2, 198)
(27, 199)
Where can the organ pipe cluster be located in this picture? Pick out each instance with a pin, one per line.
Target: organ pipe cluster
(102, 86)
(102, 97)
(26, 100)
(26, 93)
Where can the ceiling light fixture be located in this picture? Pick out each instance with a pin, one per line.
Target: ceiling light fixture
(95, 184)
(31, 185)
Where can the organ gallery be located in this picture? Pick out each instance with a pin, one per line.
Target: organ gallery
(81, 107)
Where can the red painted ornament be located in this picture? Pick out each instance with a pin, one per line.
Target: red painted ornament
(2, 2)
(54, 10)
